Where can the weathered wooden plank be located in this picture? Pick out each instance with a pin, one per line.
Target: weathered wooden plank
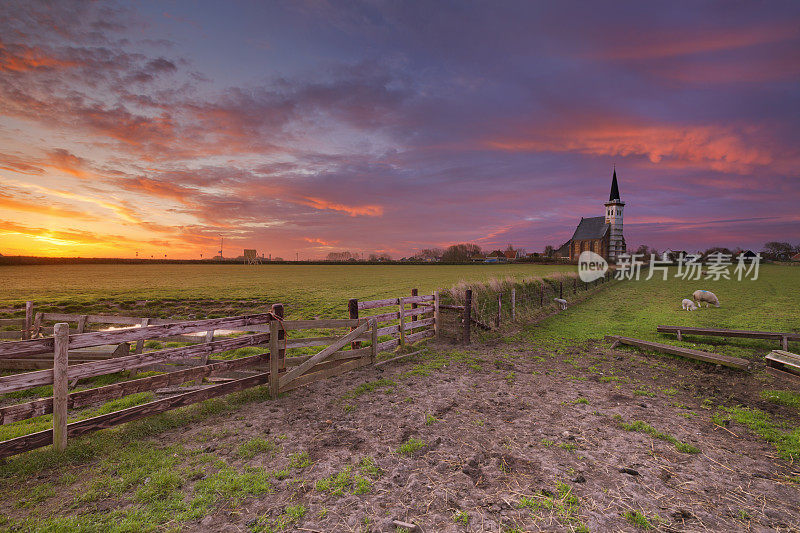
(733, 362)
(388, 330)
(12, 321)
(99, 338)
(274, 360)
(322, 355)
(419, 324)
(383, 317)
(341, 354)
(374, 304)
(402, 314)
(417, 311)
(43, 438)
(419, 336)
(60, 386)
(717, 332)
(388, 345)
(28, 324)
(110, 366)
(84, 398)
(39, 364)
(785, 358)
(331, 323)
(436, 314)
(315, 341)
(11, 335)
(324, 374)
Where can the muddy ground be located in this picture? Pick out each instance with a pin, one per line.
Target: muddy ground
(508, 439)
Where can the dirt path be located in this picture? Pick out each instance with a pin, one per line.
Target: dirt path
(502, 439)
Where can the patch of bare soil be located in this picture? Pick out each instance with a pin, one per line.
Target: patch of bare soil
(514, 440)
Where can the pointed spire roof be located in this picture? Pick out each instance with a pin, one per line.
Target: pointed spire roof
(614, 188)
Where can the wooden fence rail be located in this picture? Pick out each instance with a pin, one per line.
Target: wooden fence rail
(679, 331)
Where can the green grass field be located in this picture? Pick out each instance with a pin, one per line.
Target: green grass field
(635, 308)
(308, 289)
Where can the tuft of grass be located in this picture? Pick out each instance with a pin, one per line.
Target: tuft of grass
(369, 386)
(786, 442)
(367, 466)
(430, 420)
(782, 397)
(643, 427)
(563, 503)
(299, 460)
(640, 520)
(252, 447)
(344, 481)
(410, 446)
(461, 517)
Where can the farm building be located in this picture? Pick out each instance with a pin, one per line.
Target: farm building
(602, 235)
(795, 257)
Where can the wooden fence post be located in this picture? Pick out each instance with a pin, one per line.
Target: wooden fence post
(374, 348)
(274, 386)
(467, 314)
(352, 307)
(499, 309)
(60, 385)
(82, 323)
(26, 332)
(37, 324)
(414, 292)
(437, 328)
(513, 304)
(277, 310)
(402, 306)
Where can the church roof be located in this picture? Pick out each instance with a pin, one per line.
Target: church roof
(591, 228)
(614, 188)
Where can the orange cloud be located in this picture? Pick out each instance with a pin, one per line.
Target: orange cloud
(314, 240)
(352, 210)
(64, 161)
(714, 147)
(6, 202)
(673, 44)
(21, 58)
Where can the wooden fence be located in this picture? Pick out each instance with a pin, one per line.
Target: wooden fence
(345, 345)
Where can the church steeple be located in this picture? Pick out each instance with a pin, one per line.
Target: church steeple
(614, 187)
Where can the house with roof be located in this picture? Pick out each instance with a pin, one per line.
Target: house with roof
(795, 257)
(601, 235)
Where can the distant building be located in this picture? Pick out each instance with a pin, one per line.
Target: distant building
(747, 255)
(251, 257)
(795, 257)
(511, 255)
(601, 235)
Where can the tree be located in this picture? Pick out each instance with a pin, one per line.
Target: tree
(429, 254)
(778, 250)
(549, 251)
(460, 252)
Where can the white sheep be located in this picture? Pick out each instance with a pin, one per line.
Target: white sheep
(688, 305)
(705, 296)
(561, 303)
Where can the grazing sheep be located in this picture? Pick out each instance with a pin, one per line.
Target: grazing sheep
(561, 303)
(705, 296)
(688, 305)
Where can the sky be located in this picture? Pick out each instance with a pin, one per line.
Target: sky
(300, 128)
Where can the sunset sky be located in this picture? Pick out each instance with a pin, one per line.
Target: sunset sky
(315, 126)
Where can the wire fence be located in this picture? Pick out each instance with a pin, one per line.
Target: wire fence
(499, 301)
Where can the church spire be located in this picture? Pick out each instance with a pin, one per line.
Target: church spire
(614, 187)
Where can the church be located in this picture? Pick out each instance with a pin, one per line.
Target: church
(601, 235)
